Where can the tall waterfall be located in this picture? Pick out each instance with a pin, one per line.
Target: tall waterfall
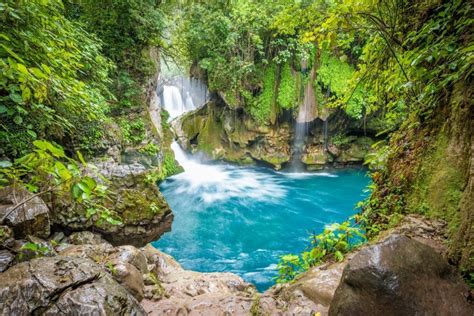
(181, 94)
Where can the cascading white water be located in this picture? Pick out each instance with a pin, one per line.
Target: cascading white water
(181, 94)
(221, 182)
(173, 102)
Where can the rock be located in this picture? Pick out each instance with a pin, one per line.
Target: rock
(128, 276)
(133, 256)
(220, 133)
(63, 286)
(187, 292)
(139, 203)
(31, 218)
(86, 237)
(160, 263)
(124, 263)
(6, 258)
(400, 276)
(6, 233)
(58, 237)
(98, 253)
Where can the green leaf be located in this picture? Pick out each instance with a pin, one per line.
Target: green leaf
(85, 188)
(31, 133)
(26, 94)
(16, 98)
(18, 120)
(76, 191)
(339, 256)
(3, 109)
(12, 53)
(21, 68)
(81, 158)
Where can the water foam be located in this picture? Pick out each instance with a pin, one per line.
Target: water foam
(222, 182)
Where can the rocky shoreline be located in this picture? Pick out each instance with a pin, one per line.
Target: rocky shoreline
(88, 272)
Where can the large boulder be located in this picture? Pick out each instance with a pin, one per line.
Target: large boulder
(222, 133)
(142, 208)
(126, 264)
(184, 292)
(63, 286)
(30, 218)
(400, 276)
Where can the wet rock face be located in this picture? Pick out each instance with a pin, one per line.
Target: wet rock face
(400, 276)
(31, 218)
(223, 134)
(63, 286)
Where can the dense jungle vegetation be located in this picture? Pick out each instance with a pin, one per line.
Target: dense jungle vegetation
(69, 68)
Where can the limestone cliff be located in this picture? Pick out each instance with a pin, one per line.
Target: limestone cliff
(221, 132)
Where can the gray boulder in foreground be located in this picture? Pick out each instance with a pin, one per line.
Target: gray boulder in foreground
(400, 276)
(63, 286)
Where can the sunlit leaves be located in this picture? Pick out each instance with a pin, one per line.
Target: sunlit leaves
(52, 79)
(48, 170)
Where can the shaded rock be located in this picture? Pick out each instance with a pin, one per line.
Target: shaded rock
(85, 237)
(6, 233)
(6, 258)
(63, 286)
(31, 218)
(400, 276)
(58, 237)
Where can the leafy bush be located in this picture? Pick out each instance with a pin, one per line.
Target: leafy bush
(47, 170)
(150, 149)
(287, 92)
(133, 132)
(261, 109)
(53, 78)
(335, 241)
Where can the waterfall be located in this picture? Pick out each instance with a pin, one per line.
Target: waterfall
(182, 94)
(173, 101)
(325, 134)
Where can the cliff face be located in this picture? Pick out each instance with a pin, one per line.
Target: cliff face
(430, 171)
(224, 133)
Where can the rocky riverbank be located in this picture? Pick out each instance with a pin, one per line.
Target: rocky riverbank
(82, 272)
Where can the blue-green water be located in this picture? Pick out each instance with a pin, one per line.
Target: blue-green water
(241, 219)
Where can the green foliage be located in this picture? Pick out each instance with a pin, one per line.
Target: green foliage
(150, 149)
(49, 170)
(169, 165)
(335, 241)
(38, 249)
(342, 140)
(287, 91)
(133, 132)
(52, 79)
(261, 109)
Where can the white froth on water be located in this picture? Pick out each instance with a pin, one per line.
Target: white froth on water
(218, 182)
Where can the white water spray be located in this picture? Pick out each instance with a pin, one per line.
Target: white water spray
(180, 95)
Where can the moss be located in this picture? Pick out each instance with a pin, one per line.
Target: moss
(255, 308)
(439, 185)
